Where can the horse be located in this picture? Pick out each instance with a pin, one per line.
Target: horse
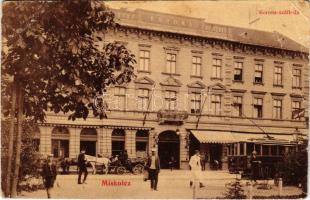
(97, 160)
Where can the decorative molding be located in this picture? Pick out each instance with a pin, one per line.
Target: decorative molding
(233, 46)
(238, 57)
(259, 60)
(171, 81)
(144, 80)
(197, 84)
(258, 92)
(238, 90)
(278, 62)
(277, 94)
(293, 95)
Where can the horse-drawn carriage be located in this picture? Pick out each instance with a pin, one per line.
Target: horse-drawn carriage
(105, 165)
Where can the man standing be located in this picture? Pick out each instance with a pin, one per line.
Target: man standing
(82, 166)
(49, 173)
(195, 165)
(153, 166)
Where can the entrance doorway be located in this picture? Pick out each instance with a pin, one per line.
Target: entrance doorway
(168, 147)
(216, 155)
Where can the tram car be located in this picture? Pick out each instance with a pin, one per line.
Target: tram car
(270, 154)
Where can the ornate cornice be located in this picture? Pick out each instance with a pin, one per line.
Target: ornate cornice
(205, 42)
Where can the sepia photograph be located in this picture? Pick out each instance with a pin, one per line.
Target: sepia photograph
(154, 99)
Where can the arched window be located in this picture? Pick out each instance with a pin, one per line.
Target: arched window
(60, 130)
(60, 141)
(88, 131)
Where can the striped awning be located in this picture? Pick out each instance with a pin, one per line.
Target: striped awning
(220, 137)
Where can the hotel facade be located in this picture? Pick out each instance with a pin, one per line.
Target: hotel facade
(198, 86)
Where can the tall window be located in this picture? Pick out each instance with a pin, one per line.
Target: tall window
(237, 111)
(258, 108)
(143, 99)
(144, 60)
(278, 75)
(296, 78)
(217, 68)
(258, 74)
(170, 100)
(120, 94)
(196, 66)
(238, 71)
(296, 106)
(195, 102)
(277, 109)
(216, 104)
(171, 63)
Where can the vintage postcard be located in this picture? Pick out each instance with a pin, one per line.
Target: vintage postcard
(154, 99)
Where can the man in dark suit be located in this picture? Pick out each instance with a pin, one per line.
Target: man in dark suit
(153, 166)
(82, 166)
(49, 173)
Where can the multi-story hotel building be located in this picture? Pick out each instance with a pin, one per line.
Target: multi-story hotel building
(198, 86)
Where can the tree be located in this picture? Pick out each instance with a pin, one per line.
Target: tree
(29, 150)
(55, 59)
(234, 190)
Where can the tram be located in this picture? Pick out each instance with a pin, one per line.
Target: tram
(269, 151)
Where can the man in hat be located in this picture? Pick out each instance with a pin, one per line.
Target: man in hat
(255, 164)
(49, 173)
(82, 162)
(195, 165)
(153, 166)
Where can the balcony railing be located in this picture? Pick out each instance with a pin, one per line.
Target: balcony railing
(171, 116)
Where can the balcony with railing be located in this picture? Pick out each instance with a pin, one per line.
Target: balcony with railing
(171, 116)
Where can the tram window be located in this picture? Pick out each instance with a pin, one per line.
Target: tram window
(281, 150)
(249, 148)
(274, 150)
(265, 150)
(257, 149)
(235, 149)
(241, 148)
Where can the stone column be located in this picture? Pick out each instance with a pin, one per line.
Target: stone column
(183, 151)
(130, 143)
(74, 141)
(45, 139)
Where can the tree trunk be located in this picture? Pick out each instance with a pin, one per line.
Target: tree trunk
(20, 103)
(10, 143)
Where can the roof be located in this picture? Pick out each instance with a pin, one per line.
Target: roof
(207, 136)
(156, 21)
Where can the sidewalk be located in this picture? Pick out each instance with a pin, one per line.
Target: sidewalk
(173, 184)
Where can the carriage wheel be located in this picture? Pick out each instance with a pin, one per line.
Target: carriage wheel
(120, 170)
(138, 169)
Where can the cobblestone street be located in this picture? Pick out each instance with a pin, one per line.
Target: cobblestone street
(173, 184)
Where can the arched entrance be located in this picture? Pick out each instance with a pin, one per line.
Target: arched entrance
(88, 141)
(169, 146)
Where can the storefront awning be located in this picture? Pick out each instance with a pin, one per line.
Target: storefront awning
(214, 136)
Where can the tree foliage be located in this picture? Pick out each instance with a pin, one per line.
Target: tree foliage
(55, 51)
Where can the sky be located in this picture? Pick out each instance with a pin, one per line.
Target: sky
(263, 15)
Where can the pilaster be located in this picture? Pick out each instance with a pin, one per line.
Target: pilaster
(74, 141)
(45, 139)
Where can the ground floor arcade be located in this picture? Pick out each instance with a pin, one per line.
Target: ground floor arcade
(172, 144)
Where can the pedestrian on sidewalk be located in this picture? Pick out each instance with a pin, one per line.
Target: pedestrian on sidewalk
(255, 165)
(153, 166)
(172, 163)
(82, 162)
(49, 173)
(195, 166)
